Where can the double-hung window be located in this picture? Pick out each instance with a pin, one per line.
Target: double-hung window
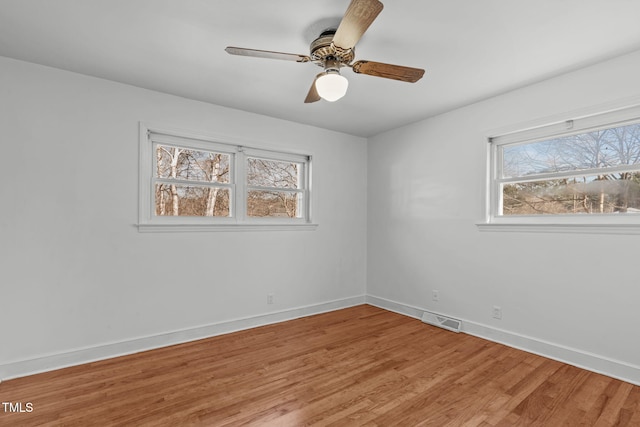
(191, 182)
(580, 171)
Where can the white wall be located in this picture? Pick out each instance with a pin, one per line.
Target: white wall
(77, 275)
(571, 296)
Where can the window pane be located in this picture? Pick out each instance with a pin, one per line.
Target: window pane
(274, 204)
(270, 173)
(193, 165)
(180, 200)
(597, 149)
(595, 194)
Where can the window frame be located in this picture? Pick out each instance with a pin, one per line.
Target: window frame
(568, 124)
(238, 151)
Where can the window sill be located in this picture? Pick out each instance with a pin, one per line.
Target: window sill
(160, 228)
(629, 229)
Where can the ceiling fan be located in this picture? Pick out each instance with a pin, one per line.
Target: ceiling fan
(334, 49)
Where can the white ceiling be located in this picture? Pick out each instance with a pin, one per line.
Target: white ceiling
(471, 50)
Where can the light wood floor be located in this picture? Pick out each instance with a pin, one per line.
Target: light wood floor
(358, 366)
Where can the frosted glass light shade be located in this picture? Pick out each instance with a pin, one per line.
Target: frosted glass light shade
(332, 86)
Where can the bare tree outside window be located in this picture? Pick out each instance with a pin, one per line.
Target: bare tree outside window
(186, 184)
(586, 173)
(273, 188)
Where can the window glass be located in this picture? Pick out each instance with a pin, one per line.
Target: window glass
(182, 200)
(272, 186)
(270, 173)
(611, 193)
(274, 204)
(191, 165)
(597, 149)
(175, 196)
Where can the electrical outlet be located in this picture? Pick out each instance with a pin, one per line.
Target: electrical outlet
(270, 298)
(497, 312)
(435, 295)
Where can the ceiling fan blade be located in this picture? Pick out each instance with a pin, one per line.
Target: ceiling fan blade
(267, 54)
(388, 71)
(359, 15)
(313, 96)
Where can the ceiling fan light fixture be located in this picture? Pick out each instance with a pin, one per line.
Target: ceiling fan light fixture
(332, 86)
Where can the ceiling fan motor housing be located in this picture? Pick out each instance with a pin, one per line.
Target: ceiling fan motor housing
(324, 52)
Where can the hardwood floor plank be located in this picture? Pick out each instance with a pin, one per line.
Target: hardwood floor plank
(361, 366)
(612, 413)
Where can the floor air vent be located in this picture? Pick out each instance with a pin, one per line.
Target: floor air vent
(442, 321)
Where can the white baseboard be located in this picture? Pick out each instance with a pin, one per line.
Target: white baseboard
(51, 362)
(592, 362)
